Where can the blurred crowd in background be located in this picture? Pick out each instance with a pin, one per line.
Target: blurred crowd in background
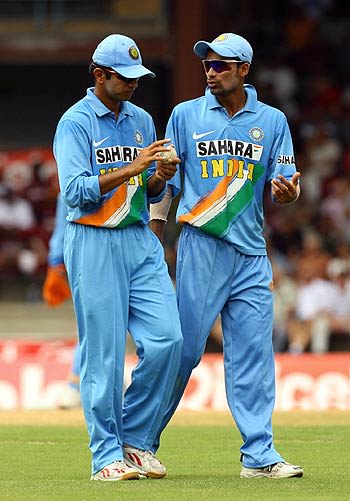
(308, 242)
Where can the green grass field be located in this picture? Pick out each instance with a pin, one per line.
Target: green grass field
(48, 462)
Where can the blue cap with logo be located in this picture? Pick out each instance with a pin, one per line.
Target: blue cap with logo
(226, 45)
(121, 53)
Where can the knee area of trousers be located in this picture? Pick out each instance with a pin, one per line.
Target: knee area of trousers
(177, 340)
(174, 341)
(177, 346)
(164, 348)
(172, 337)
(189, 361)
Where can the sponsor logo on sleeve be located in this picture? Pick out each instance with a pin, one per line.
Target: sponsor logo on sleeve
(286, 159)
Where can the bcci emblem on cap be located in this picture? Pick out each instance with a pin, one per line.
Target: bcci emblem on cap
(134, 53)
(221, 38)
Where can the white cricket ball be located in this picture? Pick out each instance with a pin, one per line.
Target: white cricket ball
(168, 156)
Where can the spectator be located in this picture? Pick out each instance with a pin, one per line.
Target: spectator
(335, 207)
(281, 81)
(15, 213)
(313, 305)
(17, 221)
(339, 318)
(285, 291)
(323, 155)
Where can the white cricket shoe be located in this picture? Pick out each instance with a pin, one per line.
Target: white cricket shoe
(145, 462)
(117, 470)
(277, 470)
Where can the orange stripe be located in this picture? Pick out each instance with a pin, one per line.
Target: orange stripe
(107, 209)
(209, 200)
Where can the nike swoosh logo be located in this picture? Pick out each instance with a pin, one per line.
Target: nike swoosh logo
(97, 143)
(198, 136)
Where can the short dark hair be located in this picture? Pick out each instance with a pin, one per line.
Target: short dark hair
(93, 66)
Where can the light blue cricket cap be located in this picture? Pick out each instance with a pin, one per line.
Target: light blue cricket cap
(226, 45)
(121, 53)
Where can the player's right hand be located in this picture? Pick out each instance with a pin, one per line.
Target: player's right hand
(143, 160)
(150, 154)
(56, 289)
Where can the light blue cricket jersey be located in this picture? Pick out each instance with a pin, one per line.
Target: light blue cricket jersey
(55, 255)
(226, 162)
(89, 142)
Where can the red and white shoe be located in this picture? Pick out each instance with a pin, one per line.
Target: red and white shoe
(117, 470)
(145, 462)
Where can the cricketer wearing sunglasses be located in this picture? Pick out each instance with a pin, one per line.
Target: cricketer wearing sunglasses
(107, 157)
(230, 145)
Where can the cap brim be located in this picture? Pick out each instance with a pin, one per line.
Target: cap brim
(136, 71)
(201, 48)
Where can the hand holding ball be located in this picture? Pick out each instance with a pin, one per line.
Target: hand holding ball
(168, 156)
(166, 166)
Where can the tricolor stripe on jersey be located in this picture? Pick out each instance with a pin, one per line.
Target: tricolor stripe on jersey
(216, 212)
(124, 207)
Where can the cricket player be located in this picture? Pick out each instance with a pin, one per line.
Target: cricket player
(55, 292)
(109, 170)
(230, 145)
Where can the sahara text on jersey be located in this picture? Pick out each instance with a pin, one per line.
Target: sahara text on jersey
(116, 153)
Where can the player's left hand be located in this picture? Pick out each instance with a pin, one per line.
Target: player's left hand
(284, 191)
(167, 171)
(56, 289)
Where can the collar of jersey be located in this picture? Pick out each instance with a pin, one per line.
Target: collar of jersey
(100, 109)
(250, 105)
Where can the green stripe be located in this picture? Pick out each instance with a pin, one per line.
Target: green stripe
(137, 205)
(219, 224)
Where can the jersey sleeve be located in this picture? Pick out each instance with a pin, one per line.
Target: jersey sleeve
(151, 170)
(72, 153)
(282, 159)
(55, 255)
(173, 133)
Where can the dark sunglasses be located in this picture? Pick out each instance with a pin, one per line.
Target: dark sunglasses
(120, 77)
(219, 65)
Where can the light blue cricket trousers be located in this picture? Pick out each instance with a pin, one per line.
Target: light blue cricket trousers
(120, 282)
(213, 278)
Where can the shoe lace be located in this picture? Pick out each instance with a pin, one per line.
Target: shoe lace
(119, 464)
(145, 453)
(273, 466)
(150, 453)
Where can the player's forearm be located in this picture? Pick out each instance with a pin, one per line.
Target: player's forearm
(155, 185)
(159, 213)
(116, 178)
(158, 227)
(144, 159)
